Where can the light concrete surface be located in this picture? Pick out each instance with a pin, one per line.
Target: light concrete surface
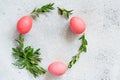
(51, 33)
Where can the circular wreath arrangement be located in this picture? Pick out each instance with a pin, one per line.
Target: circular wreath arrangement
(27, 57)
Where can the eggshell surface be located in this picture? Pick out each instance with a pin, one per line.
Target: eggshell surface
(24, 24)
(57, 68)
(77, 25)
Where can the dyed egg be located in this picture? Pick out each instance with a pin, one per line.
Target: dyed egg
(57, 68)
(24, 24)
(77, 25)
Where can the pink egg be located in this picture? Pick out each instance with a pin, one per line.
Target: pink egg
(24, 24)
(77, 25)
(57, 68)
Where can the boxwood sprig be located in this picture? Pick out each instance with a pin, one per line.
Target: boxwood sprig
(64, 12)
(43, 9)
(27, 57)
(83, 48)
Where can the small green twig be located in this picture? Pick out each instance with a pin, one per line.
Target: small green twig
(43, 9)
(64, 12)
(74, 60)
(83, 48)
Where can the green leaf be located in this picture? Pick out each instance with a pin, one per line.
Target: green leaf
(14, 49)
(20, 63)
(37, 51)
(83, 47)
(74, 60)
(36, 14)
(85, 42)
(33, 10)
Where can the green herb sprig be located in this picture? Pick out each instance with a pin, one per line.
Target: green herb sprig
(65, 12)
(27, 58)
(83, 48)
(44, 8)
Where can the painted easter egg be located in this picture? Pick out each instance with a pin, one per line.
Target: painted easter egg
(77, 25)
(24, 24)
(57, 68)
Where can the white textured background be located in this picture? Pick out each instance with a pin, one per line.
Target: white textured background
(51, 33)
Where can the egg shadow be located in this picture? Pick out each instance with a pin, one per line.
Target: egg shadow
(14, 35)
(36, 17)
(69, 35)
(51, 77)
